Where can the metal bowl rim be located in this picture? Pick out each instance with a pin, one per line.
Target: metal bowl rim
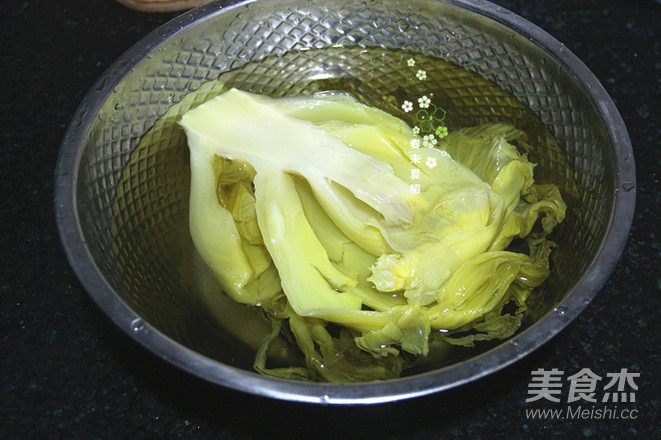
(493, 360)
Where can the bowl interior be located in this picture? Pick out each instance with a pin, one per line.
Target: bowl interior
(133, 179)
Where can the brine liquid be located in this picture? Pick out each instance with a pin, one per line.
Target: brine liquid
(170, 287)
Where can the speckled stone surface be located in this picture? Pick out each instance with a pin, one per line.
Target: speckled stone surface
(67, 372)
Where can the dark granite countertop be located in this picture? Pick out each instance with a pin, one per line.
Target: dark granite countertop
(68, 372)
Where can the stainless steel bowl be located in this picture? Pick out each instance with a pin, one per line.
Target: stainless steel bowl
(123, 179)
